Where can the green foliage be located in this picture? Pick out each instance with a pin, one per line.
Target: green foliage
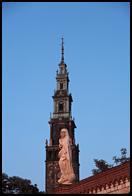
(17, 185)
(102, 165)
(123, 158)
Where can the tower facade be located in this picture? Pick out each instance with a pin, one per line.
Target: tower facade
(61, 118)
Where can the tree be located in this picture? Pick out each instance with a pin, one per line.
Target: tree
(123, 158)
(17, 185)
(5, 183)
(101, 165)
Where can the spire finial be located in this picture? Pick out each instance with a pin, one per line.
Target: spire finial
(62, 50)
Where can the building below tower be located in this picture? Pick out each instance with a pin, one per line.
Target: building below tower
(115, 180)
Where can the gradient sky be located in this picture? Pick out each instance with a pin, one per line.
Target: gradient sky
(97, 41)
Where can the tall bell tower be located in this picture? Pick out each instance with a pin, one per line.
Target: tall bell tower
(61, 118)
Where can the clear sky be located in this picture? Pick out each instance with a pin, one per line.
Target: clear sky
(96, 37)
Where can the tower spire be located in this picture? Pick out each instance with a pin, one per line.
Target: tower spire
(60, 118)
(62, 50)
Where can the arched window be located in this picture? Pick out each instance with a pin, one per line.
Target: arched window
(61, 85)
(60, 107)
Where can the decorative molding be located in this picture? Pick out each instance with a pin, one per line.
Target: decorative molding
(114, 180)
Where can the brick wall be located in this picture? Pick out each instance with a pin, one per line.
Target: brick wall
(114, 180)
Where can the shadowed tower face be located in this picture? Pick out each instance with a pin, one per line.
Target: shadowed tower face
(61, 118)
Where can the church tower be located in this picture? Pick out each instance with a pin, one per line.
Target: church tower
(61, 118)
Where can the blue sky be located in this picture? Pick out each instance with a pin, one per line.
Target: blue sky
(97, 41)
